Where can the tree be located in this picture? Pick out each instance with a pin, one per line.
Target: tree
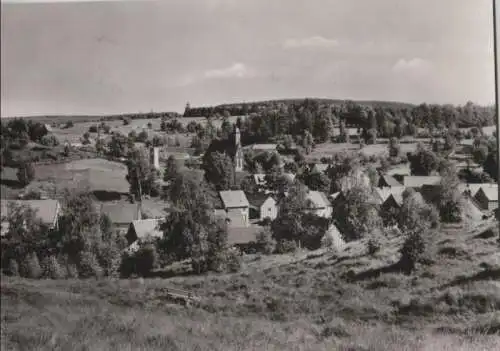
(25, 173)
(191, 230)
(308, 142)
(86, 138)
(449, 199)
(423, 162)
(171, 169)
(394, 147)
(490, 165)
(119, 145)
(49, 140)
(416, 216)
(357, 216)
(226, 128)
(480, 154)
(317, 181)
(140, 174)
(219, 170)
(142, 137)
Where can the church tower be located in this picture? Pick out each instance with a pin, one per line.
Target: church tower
(238, 156)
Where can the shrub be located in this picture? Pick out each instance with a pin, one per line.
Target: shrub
(13, 268)
(126, 121)
(93, 129)
(52, 269)
(88, 266)
(233, 261)
(49, 140)
(146, 258)
(31, 267)
(286, 246)
(373, 246)
(265, 242)
(411, 252)
(69, 124)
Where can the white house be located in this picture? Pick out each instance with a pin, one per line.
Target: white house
(236, 206)
(46, 210)
(321, 206)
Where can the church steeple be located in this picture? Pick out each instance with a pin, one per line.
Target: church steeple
(238, 157)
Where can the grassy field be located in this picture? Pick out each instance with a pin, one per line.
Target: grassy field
(320, 300)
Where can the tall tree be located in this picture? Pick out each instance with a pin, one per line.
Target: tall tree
(219, 170)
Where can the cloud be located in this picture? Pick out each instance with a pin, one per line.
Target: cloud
(414, 65)
(311, 42)
(237, 70)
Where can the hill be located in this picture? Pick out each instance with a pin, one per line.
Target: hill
(320, 300)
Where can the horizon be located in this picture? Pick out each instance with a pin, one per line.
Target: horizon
(93, 58)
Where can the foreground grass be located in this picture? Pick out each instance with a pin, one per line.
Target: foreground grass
(43, 316)
(308, 301)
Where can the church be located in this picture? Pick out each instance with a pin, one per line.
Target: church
(232, 147)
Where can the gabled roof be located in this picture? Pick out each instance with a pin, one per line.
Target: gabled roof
(389, 180)
(9, 174)
(241, 235)
(147, 227)
(384, 193)
(264, 147)
(256, 200)
(46, 210)
(120, 213)
(400, 169)
(490, 192)
(419, 181)
(289, 176)
(474, 187)
(318, 199)
(234, 198)
(320, 167)
(98, 180)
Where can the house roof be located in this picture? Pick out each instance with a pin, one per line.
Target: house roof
(289, 176)
(146, 227)
(321, 167)
(242, 235)
(335, 236)
(256, 200)
(319, 199)
(474, 187)
(46, 210)
(385, 192)
(389, 180)
(234, 198)
(490, 192)
(99, 180)
(264, 147)
(9, 174)
(400, 169)
(419, 181)
(120, 213)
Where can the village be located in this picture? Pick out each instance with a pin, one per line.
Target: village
(249, 203)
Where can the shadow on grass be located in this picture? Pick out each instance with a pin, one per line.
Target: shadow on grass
(486, 274)
(374, 273)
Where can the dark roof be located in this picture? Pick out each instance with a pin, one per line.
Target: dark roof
(256, 200)
(9, 174)
(242, 235)
(387, 180)
(121, 213)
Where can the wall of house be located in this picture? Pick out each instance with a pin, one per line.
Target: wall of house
(239, 216)
(492, 205)
(268, 209)
(323, 212)
(482, 200)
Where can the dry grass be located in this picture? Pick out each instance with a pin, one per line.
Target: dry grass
(306, 301)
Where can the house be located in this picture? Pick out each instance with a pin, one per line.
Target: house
(121, 214)
(231, 146)
(487, 197)
(47, 211)
(416, 182)
(320, 167)
(263, 147)
(236, 206)
(141, 229)
(8, 176)
(388, 181)
(263, 206)
(384, 193)
(105, 185)
(356, 178)
(471, 189)
(48, 128)
(242, 238)
(321, 206)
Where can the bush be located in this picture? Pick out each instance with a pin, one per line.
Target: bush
(93, 129)
(411, 252)
(52, 269)
(13, 268)
(286, 246)
(69, 124)
(49, 140)
(88, 266)
(265, 242)
(233, 261)
(373, 246)
(31, 267)
(126, 121)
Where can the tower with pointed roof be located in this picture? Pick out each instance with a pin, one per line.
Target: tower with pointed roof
(238, 156)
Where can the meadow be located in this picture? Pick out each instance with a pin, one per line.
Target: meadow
(320, 300)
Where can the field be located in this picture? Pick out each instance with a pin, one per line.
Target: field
(322, 300)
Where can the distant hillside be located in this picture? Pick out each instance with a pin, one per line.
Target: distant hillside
(93, 118)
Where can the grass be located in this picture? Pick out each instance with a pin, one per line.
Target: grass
(318, 300)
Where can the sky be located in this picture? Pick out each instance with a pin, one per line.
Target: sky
(111, 56)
